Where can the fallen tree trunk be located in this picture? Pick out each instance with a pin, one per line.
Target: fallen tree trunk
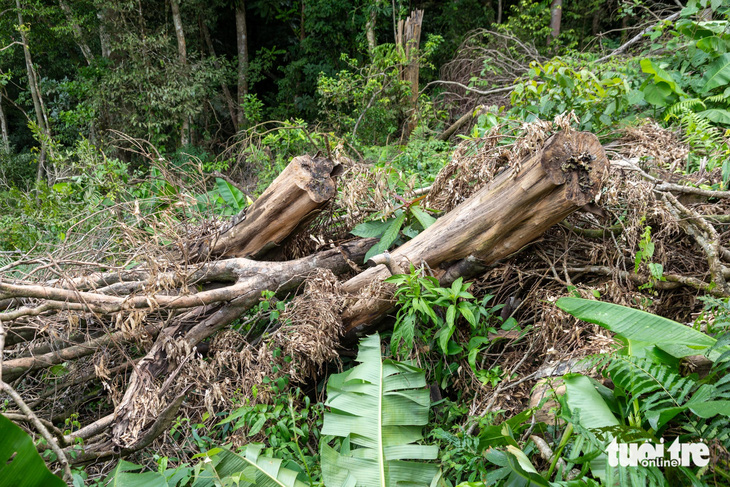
(510, 212)
(290, 202)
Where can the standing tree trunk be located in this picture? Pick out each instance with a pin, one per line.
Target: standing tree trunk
(226, 92)
(35, 95)
(556, 14)
(370, 27)
(242, 39)
(103, 16)
(4, 128)
(408, 39)
(85, 49)
(499, 11)
(183, 56)
(302, 32)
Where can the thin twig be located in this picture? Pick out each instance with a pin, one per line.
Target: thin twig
(636, 38)
(469, 88)
(503, 386)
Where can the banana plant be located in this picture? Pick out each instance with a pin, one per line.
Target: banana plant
(378, 408)
(641, 327)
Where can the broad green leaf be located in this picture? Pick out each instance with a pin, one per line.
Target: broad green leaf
(582, 395)
(20, 464)
(373, 228)
(230, 194)
(456, 285)
(648, 66)
(659, 94)
(390, 235)
(245, 469)
(450, 315)
(714, 45)
(125, 476)
(423, 218)
(466, 311)
(709, 409)
(672, 337)
(381, 406)
(717, 115)
(718, 74)
(444, 336)
(523, 468)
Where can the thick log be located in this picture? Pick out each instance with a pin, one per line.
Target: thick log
(504, 216)
(292, 200)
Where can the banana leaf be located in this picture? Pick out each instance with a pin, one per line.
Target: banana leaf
(378, 408)
(247, 469)
(674, 338)
(20, 464)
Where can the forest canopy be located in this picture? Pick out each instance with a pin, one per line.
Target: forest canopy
(317, 242)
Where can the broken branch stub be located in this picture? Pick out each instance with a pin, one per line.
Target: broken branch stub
(302, 189)
(514, 209)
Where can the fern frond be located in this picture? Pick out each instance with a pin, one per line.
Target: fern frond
(700, 133)
(721, 98)
(688, 105)
(639, 377)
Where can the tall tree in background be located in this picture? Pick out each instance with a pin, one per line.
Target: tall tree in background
(35, 93)
(242, 42)
(408, 39)
(183, 57)
(370, 25)
(556, 14)
(103, 15)
(4, 128)
(76, 29)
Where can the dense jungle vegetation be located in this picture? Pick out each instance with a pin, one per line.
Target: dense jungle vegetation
(132, 128)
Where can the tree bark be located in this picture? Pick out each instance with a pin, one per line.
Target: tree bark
(35, 94)
(408, 39)
(499, 11)
(76, 29)
(104, 39)
(556, 14)
(516, 207)
(242, 41)
(370, 27)
(182, 53)
(4, 127)
(302, 31)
